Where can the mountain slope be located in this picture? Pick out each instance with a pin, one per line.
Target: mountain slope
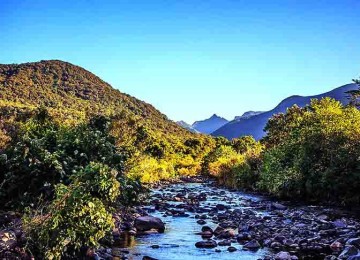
(248, 114)
(187, 126)
(254, 125)
(209, 125)
(72, 94)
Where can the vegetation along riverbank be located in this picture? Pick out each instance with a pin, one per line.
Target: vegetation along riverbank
(78, 158)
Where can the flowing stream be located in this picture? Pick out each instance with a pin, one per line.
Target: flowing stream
(178, 240)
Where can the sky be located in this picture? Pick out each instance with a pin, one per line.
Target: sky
(189, 58)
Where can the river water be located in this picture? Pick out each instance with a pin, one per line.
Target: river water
(178, 240)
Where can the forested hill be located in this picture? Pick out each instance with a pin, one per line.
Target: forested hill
(72, 93)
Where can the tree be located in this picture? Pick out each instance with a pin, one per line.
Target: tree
(354, 95)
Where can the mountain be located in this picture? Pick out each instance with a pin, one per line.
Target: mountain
(187, 126)
(247, 115)
(209, 125)
(72, 94)
(255, 124)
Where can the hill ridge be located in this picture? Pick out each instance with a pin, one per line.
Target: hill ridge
(254, 125)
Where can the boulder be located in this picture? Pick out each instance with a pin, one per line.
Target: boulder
(252, 245)
(336, 246)
(218, 230)
(201, 222)
(225, 243)
(232, 249)
(278, 206)
(221, 207)
(207, 229)
(147, 223)
(226, 234)
(283, 256)
(206, 244)
(149, 258)
(348, 252)
(354, 242)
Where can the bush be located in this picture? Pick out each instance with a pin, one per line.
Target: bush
(150, 170)
(45, 154)
(79, 215)
(313, 153)
(235, 168)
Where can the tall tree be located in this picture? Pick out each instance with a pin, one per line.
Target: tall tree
(354, 95)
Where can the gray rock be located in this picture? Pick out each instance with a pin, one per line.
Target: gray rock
(252, 245)
(201, 222)
(148, 222)
(206, 244)
(225, 243)
(149, 258)
(231, 249)
(283, 256)
(354, 242)
(354, 257)
(278, 206)
(339, 223)
(348, 251)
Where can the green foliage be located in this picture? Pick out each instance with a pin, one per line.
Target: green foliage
(150, 170)
(69, 177)
(133, 190)
(69, 143)
(79, 215)
(354, 95)
(45, 154)
(236, 164)
(314, 153)
(79, 95)
(243, 144)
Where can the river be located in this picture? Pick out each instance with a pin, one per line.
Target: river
(300, 232)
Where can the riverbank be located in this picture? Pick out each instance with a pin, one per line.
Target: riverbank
(195, 219)
(204, 221)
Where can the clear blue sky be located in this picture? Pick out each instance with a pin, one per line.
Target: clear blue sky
(191, 58)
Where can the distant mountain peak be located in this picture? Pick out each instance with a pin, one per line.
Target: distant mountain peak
(253, 124)
(209, 125)
(248, 114)
(187, 126)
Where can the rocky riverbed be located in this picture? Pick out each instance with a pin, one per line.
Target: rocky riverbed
(203, 221)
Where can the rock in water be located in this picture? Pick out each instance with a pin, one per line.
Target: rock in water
(252, 245)
(278, 206)
(206, 244)
(149, 258)
(147, 223)
(232, 249)
(283, 256)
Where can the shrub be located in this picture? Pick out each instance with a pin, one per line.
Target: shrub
(314, 154)
(150, 170)
(45, 153)
(79, 215)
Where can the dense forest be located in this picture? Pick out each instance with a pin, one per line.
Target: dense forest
(73, 151)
